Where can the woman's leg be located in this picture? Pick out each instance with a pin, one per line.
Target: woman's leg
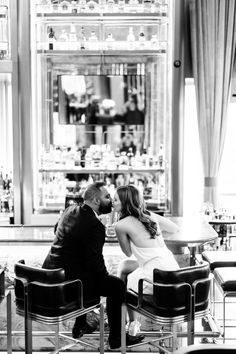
(125, 267)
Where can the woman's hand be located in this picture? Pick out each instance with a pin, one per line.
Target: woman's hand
(167, 225)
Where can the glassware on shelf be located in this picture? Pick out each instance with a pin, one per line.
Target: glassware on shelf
(63, 40)
(154, 42)
(133, 5)
(110, 41)
(147, 6)
(4, 51)
(92, 6)
(110, 5)
(65, 6)
(45, 6)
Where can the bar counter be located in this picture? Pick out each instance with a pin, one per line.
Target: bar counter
(193, 232)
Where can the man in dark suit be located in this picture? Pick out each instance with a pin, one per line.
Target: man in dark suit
(77, 248)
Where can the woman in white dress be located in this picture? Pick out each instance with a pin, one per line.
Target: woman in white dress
(139, 233)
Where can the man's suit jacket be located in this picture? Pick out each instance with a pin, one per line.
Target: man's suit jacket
(78, 245)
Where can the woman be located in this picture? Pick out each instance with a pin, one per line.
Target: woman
(139, 234)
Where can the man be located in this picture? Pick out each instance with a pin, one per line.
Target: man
(77, 248)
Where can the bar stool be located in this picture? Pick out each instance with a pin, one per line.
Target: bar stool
(45, 296)
(218, 259)
(225, 279)
(5, 295)
(178, 296)
(207, 349)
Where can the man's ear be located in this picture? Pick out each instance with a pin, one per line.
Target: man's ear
(96, 201)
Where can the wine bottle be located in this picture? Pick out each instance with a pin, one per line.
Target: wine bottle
(51, 38)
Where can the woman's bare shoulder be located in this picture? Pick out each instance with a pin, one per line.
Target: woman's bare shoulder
(124, 223)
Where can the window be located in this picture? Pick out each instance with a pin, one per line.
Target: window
(193, 169)
(227, 175)
(193, 173)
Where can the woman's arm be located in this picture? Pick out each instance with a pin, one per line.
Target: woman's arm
(166, 224)
(123, 239)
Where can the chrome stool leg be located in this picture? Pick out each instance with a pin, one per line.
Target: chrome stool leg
(101, 328)
(123, 333)
(57, 330)
(224, 318)
(9, 324)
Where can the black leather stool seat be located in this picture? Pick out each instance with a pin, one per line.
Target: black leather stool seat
(207, 349)
(46, 296)
(218, 259)
(226, 278)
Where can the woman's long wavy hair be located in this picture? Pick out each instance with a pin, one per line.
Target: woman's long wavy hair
(132, 205)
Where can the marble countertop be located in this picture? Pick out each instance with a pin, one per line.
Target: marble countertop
(193, 231)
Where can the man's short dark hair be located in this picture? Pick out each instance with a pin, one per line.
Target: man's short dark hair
(93, 190)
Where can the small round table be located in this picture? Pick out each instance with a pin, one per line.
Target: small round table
(193, 232)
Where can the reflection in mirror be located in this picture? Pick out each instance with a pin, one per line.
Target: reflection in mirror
(101, 99)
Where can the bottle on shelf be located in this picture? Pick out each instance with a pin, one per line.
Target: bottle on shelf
(150, 157)
(142, 38)
(93, 41)
(1, 180)
(156, 7)
(82, 38)
(163, 7)
(117, 157)
(102, 5)
(121, 5)
(51, 39)
(154, 42)
(130, 156)
(6, 183)
(63, 40)
(110, 41)
(83, 153)
(161, 157)
(74, 6)
(145, 159)
(147, 6)
(73, 44)
(131, 39)
(55, 5)
(82, 6)
(161, 195)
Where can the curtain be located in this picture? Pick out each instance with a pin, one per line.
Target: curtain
(6, 152)
(213, 42)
